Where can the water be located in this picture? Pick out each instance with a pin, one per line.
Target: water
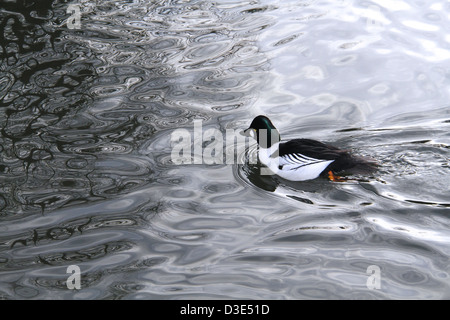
(87, 178)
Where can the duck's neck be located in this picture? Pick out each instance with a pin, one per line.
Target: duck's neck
(268, 137)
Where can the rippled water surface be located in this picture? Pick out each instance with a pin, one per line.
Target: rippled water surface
(87, 178)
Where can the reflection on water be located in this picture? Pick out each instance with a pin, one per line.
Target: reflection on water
(86, 176)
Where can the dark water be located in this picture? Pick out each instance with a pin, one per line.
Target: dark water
(87, 179)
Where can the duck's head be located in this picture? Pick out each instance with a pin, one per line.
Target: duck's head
(263, 130)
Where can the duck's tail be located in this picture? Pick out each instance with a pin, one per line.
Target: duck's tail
(364, 165)
(354, 164)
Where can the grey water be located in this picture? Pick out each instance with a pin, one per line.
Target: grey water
(87, 115)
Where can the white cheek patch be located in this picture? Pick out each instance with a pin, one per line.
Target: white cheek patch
(253, 133)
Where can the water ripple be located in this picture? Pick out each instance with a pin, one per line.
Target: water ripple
(87, 175)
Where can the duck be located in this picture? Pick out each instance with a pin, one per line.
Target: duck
(302, 159)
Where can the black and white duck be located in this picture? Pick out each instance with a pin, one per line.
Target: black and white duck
(302, 159)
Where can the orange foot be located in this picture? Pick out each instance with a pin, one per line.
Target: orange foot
(332, 177)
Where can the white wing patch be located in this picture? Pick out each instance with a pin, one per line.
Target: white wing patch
(294, 161)
(297, 167)
(294, 167)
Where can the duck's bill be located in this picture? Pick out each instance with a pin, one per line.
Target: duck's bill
(246, 132)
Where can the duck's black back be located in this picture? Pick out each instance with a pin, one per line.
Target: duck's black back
(343, 160)
(310, 148)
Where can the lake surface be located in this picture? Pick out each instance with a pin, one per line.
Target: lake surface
(87, 177)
